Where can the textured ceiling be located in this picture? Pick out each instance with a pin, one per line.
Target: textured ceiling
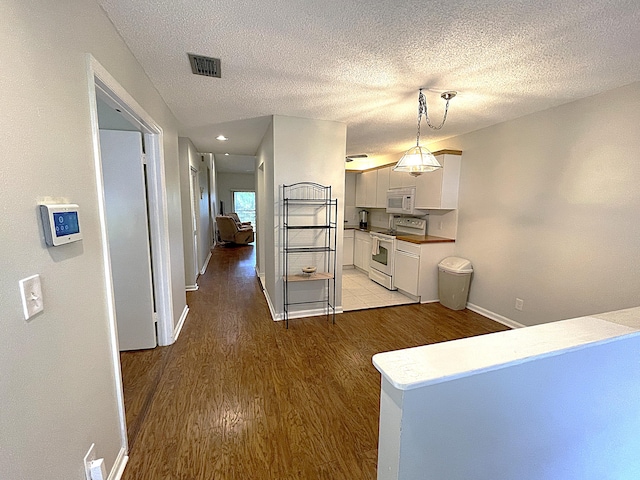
(362, 61)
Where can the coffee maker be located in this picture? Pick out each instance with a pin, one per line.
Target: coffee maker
(364, 215)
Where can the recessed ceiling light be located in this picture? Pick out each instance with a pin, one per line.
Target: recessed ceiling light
(222, 138)
(226, 154)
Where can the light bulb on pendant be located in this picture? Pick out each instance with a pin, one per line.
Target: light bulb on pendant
(419, 159)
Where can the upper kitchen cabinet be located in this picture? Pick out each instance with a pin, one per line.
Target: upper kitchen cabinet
(366, 189)
(382, 185)
(400, 179)
(439, 189)
(371, 188)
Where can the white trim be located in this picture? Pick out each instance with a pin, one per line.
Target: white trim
(206, 264)
(275, 316)
(106, 259)
(191, 288)
(494, 316)
(314, 312)
(183, 318)
(101, 81)
(118, 466)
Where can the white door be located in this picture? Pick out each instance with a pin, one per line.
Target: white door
(127, 228)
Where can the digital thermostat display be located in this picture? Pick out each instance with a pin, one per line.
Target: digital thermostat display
(61, 223)
(66, 223)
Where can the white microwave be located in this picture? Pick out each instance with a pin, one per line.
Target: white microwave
(402, 200)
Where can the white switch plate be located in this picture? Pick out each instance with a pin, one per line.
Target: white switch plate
(31, 292)
(519, 303)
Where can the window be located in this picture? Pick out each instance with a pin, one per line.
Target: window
(244, 204)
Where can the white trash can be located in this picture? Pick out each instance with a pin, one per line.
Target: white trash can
(454, 277)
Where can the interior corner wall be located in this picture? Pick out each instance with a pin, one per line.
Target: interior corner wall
(304, 150)
(205, 240)
(213, 196)
(187, 160)
(190, 158)
(57, 375)
(267, 208)
(548, 209)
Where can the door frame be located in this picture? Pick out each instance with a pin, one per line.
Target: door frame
(100, 82)
(194, 190)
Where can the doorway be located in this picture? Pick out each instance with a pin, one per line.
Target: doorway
(194, 185)
(102, 85)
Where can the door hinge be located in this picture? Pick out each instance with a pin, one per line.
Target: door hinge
(144, 159)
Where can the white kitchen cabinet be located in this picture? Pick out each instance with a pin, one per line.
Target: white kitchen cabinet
(423, 281)
(366, 186)
(362, 250)
(407, 267)
(382, 185)
(439, 189)
(400, 179)
(347, 247)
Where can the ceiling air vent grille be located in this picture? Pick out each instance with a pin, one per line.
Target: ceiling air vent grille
(207, 66)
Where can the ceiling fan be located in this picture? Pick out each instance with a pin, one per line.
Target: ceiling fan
(351, 158)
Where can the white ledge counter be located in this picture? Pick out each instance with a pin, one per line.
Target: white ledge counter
(420, 366)
(558, 400)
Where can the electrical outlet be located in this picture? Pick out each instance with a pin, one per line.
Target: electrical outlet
(439, 225)
(519, 304)
(88, 459)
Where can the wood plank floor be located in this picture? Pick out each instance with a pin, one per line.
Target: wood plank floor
(240, 397)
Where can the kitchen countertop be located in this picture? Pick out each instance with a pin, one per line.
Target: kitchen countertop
(424, 239)
(419, 239)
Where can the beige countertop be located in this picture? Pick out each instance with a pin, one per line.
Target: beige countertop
(419, 239)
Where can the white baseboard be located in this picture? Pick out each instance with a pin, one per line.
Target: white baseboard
(261, 277)
(183, 318)
(494, 316)
(314, 312)
(118, 466)
(206, 264)
(191, 288)
(272, 310)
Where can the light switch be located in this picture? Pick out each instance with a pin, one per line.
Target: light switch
(31, 292)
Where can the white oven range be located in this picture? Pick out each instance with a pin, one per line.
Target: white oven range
(383, 249)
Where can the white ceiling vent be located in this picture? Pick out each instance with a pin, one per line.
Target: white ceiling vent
(207, 66)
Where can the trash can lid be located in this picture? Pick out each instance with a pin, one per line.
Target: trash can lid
(456, 265)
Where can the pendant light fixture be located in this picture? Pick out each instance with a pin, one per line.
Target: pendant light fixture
(418, 159)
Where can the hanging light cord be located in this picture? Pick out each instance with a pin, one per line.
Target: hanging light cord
(422, 110)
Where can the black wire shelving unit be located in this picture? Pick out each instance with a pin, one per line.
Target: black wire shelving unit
(309, 233)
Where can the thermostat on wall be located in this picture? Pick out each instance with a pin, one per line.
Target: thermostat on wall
(61, 223)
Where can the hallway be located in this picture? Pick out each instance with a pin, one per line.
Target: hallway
(240, 397)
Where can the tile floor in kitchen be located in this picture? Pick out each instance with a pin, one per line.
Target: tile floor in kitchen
(358, 292)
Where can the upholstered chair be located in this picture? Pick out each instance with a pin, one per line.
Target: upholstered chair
(229, 231)
(240, 224)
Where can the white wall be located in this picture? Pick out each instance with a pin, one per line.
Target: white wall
(304, 150)
(190, 158)
(56, 373)
(350, 210)
(549, 206)
(267, 209)
(567, 412)
(229, 182)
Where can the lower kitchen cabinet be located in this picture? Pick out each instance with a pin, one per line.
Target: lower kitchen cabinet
(347, 247)
(416, 268)
(362, 250)
(407, 267)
